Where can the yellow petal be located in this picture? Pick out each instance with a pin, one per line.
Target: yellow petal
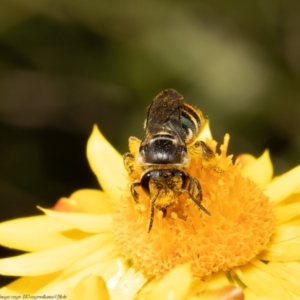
(281, 274)
(52, 260)
(206, 133)
(249, 295)
(99, 263)
(122, 269)
(81, 221)
(285, 276)
(283, 186)
(64, 284)
(93, 201)
(85, 201)
(288, 211)
(104, 254)
(294, 222)
(218, 281)
(262, 283)
(34, 233)
(217, 288)
(285, 233)
(259, 170)
(107, 164)
(293, 267)
(245, 159)
(91, 287)
(284, 251)
(169, 288)
(27, 285)
(128, 286)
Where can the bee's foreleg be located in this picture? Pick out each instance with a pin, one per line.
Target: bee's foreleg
(134, 145)
(133, 191)
(152, 206)
(130, 166)
(189, 189)
(196, 201)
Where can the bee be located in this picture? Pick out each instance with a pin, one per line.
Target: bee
(171, 132)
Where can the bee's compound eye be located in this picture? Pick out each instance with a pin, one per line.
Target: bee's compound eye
(145, 182)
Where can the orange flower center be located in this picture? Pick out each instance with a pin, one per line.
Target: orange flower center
(239, 228)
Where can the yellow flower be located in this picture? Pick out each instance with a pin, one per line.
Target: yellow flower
(85, 246)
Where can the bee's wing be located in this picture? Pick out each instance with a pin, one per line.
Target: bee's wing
(165, 108)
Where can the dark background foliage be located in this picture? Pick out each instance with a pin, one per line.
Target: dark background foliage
(66, 65)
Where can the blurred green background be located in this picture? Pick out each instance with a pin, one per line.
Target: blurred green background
(66, 65)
